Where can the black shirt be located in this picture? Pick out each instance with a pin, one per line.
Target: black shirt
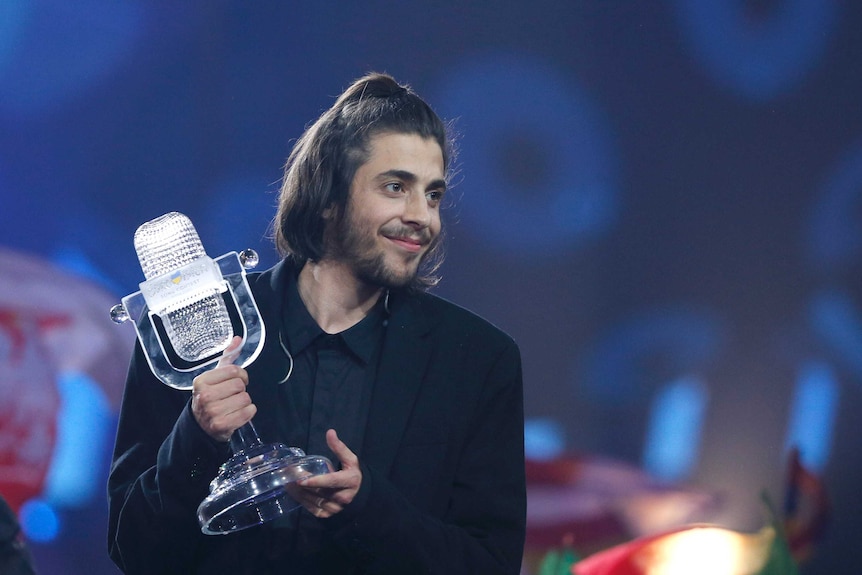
(329, 386)
(332, 378)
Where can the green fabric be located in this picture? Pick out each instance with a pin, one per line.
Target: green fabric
(780, 560)
(558, 562)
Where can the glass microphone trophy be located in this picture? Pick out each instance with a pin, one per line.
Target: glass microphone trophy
(185, 315)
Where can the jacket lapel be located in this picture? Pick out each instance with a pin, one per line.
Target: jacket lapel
(403, 362)
(272, 364)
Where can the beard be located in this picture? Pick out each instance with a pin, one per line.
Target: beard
(356, 245)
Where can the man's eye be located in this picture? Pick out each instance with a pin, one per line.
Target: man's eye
(395, 187)
(434, 196)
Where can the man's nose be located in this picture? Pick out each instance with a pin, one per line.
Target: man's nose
(416, 209)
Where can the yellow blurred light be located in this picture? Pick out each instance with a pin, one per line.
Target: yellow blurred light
(707, 551)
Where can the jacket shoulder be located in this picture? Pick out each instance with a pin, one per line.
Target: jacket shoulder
(456, 319)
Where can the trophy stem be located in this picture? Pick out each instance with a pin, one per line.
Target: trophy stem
(244, 438)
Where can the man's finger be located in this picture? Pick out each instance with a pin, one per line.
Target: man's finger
(339, 448)
(231, 352)
(330, 482)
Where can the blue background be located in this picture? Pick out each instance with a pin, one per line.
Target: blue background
(659, 200)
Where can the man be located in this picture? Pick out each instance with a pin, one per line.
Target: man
(417, 402)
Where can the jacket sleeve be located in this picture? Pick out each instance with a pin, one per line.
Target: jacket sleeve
(161, 468)
(483, 527)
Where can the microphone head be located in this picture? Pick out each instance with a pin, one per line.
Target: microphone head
(201, 326)
(167, 243)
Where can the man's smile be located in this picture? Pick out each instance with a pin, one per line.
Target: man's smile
(410, 244)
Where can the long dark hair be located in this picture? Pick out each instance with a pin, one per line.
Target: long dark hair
(321, 166)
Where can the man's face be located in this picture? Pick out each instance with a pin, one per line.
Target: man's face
(392, 215)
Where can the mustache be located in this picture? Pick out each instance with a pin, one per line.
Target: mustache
(422, 235)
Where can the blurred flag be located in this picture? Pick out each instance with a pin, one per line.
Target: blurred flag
(29, 403)
(597, 502)
(710, 550)
(51, 323)
(701, 549)
(807, 508)
(72, 315)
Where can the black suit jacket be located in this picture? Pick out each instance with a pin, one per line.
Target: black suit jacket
(443, 487)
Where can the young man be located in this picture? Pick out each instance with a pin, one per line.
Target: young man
(417, 402)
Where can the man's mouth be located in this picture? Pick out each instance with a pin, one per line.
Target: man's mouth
(410, 244)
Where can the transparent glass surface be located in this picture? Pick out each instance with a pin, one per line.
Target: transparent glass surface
(199, 329)
(166, 243)
(252, 487)
(182, 377)
(202, 327)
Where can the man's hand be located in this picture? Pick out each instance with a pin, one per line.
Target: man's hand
(220, 402)
(325, 495)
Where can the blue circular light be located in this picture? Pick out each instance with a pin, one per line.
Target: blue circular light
(538, 170)
(39, 521)
(757, 57)
(544, 438)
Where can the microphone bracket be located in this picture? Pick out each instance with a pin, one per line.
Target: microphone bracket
(226, 271)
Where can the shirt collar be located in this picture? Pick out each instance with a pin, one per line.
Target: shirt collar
(365, 337)
(301, 330)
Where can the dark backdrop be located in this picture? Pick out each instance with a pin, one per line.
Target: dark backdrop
(659, 200)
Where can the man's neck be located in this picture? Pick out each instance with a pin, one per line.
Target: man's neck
(334, 297)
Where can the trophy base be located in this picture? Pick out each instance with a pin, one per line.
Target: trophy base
(250, 488)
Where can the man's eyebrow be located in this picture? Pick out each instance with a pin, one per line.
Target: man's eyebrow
(438, 185)
(400, 174)
(410, 177)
